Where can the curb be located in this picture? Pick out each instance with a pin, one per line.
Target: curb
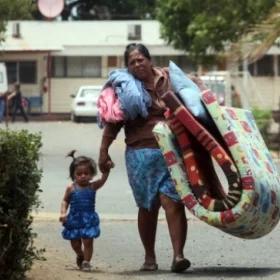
(54, 217)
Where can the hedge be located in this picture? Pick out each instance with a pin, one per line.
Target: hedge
(19, 189)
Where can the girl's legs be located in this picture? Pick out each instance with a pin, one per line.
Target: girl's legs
(77, 247)
(177, 225)
(147, 226)
(88, 248)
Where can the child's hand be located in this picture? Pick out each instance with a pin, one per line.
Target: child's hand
(110, 165)
(63, 218)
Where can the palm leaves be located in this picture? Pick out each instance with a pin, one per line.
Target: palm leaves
(259, 38)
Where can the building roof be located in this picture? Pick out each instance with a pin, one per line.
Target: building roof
(82, 37)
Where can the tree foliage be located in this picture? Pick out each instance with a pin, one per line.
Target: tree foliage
(256, 42)
(14, 10)
(19, 190)
(202, 27)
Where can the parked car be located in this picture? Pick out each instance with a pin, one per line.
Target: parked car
(85, 103)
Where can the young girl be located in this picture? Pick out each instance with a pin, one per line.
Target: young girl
(81, 224)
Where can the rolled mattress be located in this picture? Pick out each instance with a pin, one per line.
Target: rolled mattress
(250, 207)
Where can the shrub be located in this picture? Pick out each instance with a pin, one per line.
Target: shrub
(263, 119)
(19, 187)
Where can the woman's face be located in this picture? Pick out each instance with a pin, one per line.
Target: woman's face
(139, 66)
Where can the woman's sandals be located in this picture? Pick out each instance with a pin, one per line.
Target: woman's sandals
(179, 265)
(149, 267)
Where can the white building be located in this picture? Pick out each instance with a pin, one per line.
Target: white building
(51, 59)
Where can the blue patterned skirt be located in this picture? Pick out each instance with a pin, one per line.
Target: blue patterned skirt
(148, 176)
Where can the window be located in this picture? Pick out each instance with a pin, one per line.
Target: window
(27, 72)
(58, 66)
(112, 61)
(262, 67)
(76, 66)
(24, 72)
(181, 60)
(265, 66)
(134, 32)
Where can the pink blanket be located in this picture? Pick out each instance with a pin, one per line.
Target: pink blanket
(109, 106)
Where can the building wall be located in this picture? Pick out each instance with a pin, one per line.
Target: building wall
(29, 89)
(61, 89)
(262, 92)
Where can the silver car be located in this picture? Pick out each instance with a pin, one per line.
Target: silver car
(85, 103)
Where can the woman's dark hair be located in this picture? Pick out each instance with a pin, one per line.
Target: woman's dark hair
(133, 46)
(81, 160)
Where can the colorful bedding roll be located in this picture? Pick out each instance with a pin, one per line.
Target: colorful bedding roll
(255, 211)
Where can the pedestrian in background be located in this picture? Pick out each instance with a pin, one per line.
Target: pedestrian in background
(81, 224)
(2, 105)
(16, 98)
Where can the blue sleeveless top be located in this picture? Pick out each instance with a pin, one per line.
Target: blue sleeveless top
(82, 220)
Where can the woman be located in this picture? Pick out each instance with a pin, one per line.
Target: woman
(147, 173)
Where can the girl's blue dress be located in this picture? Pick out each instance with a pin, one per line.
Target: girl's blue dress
(82, 220)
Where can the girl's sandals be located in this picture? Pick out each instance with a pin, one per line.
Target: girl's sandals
(79, 261)
(86, 266)
(179, 265)
(149, 267)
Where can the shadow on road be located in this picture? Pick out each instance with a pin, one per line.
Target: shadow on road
(219, 271)
(235, 271)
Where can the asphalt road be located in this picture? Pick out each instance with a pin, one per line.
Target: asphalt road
(114, 199)
(118, 252)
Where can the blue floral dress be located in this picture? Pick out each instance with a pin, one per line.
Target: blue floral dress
(82, 220)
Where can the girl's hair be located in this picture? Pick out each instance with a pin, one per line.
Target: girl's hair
(133, 46)
(81, 160)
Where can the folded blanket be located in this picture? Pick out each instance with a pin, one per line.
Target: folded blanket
(188, 92)
(109, 108)
(133, 97)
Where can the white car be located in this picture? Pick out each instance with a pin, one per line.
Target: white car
(85, 102)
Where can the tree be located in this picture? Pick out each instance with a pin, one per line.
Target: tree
(204, 27)
(260, 37)
(14, 10)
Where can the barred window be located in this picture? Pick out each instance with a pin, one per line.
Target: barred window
(24, 72)
(76, 66)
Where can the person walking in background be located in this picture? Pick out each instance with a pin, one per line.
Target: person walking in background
(148, 174)
(2, 105)
(81, 224)
(235, 97)
(16, 98)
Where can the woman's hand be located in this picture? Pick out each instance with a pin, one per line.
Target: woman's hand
(105, 163)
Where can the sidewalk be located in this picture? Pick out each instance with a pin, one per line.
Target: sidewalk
(119, 254)
(44, 117)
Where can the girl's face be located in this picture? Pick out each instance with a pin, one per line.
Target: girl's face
(139, 66)
(83, 175)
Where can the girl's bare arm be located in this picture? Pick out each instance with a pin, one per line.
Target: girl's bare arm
(65, 204)
(99, 183)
